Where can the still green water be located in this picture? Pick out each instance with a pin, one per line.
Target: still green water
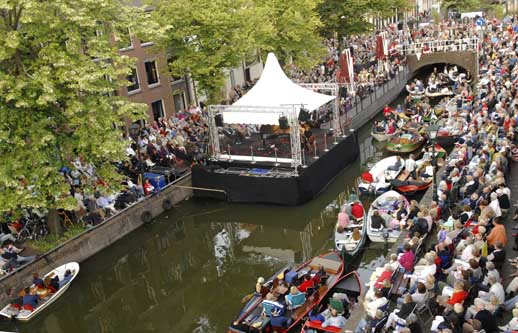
(188, 271)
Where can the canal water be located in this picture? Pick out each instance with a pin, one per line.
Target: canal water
(189, 270)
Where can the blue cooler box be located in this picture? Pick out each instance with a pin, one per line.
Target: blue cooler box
(158, 181)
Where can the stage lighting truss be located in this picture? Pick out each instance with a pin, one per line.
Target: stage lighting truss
(289, 111)
(334, 89)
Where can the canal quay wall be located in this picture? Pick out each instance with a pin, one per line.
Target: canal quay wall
(97, 238)
(367, 108)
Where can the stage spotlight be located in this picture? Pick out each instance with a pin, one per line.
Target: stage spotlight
(218, 118)
(283, 122)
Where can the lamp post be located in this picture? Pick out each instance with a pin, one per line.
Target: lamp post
(134, 131)
(432, 135)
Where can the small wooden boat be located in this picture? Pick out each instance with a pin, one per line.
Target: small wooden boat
(413, 187)
(387, 205)
(14, 311)
(255, 298)
(352, 238)
(377, 180)
(407, 186)
(255, 317)
(405, 143)
(349, 285)
(381, 136)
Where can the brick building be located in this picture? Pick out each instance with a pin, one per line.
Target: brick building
(151, 82)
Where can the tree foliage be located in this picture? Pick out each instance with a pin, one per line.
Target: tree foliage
(344, 18)
(469, 5)
(59, 67)
(207, 37)
(294, 25)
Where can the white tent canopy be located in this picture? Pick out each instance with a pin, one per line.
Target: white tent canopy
(274, 89)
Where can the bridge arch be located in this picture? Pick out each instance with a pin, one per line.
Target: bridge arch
(464, 59)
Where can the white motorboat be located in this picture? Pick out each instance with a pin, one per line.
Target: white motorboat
(439, 92)
(22, 314)
(352, 238)
(377, 180)
(387, 205)
(415, 92)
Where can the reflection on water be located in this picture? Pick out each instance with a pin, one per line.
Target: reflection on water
(189, 271)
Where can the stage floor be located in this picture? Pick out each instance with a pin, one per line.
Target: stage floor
(243, 148)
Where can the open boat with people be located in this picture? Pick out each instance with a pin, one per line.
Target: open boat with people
(343, 297)
(450, 131)
(382, 135)
(415, 91)
(377, 179)
(284, 305)
(405, 143)
(440, 92)
(351, 230)
(410, 186)
(386, 206)
(65, 273)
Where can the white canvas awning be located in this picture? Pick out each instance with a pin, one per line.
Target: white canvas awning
(273, 89)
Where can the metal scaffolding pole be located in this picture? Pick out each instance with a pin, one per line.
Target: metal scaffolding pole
(334, 89)
(289, 111)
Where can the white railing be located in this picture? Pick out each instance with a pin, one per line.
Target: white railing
(457, 45)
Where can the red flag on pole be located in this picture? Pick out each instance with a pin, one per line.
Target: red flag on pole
(380, 50)
(346, 72)
(343, 73)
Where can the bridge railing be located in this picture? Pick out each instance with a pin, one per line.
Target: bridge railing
(456, 45)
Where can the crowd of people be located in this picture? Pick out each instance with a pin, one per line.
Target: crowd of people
(173, 144)
(459, 280)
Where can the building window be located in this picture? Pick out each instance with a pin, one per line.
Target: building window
(123, 39)
(179, 102)
(151, 72)
(158, 109)
(133, 79)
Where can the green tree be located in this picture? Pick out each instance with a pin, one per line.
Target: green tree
(207, 37)
(293, 35)
(343, 18)
(469, 5)
(59, 68)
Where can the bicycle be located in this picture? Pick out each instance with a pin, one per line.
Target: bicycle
(34, 230)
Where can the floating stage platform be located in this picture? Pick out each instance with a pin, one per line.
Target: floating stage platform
(269, 180)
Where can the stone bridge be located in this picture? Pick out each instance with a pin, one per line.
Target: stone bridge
(464, 59)
(461, 52)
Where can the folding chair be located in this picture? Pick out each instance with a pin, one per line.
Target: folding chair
(67, 222)
(425, 307)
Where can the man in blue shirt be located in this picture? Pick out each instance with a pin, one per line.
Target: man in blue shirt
(29, 299)
(36, 280)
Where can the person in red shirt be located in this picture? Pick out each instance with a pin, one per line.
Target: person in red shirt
(308, 283)
(407, 258)
(385, 275)
(458, 296)
(357, 210)
(387, 111)
(148, 187)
